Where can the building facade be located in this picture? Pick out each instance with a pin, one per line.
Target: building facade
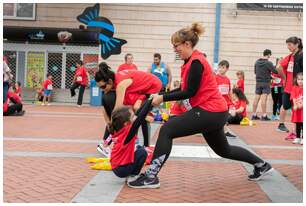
(242, 36)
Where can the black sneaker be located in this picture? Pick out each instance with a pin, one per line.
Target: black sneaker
(265, 118)
(255, 117)
(21, 113)
(228, 134)
(259, 172)
(144, 181)
(282, 128)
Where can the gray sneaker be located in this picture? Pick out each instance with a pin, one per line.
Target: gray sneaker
(282, 128)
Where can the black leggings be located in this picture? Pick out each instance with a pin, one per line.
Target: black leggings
(12, 109)
(298, 128)
(211, 125)
(81, 91)
(286, 101)
(277, 93)
(108, 102)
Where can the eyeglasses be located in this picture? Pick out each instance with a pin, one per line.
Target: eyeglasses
(176, 45)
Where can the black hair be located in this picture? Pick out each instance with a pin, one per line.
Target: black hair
(240, 95)
(48, 74)
(119, 117)
(296, 77)
(80, 62)
(224, 63)
(19, 84)
(126, 56)
(157, 55)
(295, 40)
(104, 73)
(267, 52)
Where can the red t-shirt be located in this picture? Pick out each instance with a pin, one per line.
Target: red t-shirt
(47, 84)
(224, 85)
(287, 64)
(15, 96)
(122, 154)
(177, 108)
(277, 81)
(207, 97)
(81, 76)
(297, 93)
(143, 83)
(240, 84)
(241, 103)
(131, 98)
(126, 66)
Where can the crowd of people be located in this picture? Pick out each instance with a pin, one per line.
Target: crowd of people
(201, 102)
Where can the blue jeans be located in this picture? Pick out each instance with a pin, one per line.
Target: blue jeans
(5, 90)
(134, 168)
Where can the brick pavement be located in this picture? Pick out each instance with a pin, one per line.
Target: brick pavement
(57, 179)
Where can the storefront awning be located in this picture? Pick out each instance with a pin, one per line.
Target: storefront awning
(47, 35)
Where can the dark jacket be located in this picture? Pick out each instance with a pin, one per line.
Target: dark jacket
(263, 69)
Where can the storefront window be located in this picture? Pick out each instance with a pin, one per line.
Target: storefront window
(25, 11)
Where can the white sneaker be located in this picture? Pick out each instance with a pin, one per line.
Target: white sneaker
(104, 150)
(42, 104)
(48, 104)
(297, 141)
(301, 142)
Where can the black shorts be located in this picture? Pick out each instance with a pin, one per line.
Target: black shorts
(262, 88)
(286, 101)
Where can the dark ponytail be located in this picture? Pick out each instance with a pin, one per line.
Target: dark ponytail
(295, 40)
(105, 73)
(119, 117)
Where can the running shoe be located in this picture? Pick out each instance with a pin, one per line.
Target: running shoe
(104, 150)
(228, 134)
(259, 172)
(291, 136)
(282, 128)
(255, 117)
(274, 117)
(132, 178)
(144, 181)
(297, 141)
(265, 118)
(301, 142)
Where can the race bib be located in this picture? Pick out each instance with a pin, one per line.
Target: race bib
(224, 89)
(290, 67)
(277, 80)
(49, 87)
(187, 104)
(79, 78)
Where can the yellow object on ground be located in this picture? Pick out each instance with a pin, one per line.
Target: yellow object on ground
(102, 166)
(96, 160)
(246, 122)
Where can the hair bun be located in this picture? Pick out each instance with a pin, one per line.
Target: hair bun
(103, 66)
(197, 28)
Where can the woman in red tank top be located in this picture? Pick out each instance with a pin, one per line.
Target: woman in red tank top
(207, 112)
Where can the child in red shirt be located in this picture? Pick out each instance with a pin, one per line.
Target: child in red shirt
(124, 159)
(224, 85)
(238, 112)
(47, 84)
(297, 110)
(240, 81)
(224, 82)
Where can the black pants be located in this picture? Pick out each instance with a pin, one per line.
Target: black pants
(211, 125)
(81, 91)
(12, 109)
(234, 119)
(277, 93)
(134, 168)
(108, 102)
(6, 86)
(298, 129)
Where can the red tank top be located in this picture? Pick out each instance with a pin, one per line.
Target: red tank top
(122, 154)
(15, 96)
(208, 96)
